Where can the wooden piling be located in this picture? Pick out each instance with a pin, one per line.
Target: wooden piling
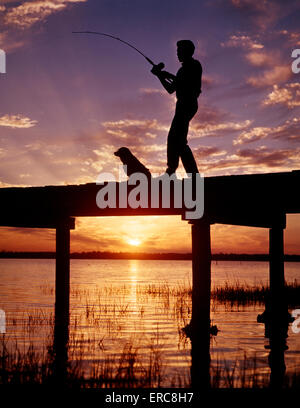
(200, 324)
(201, 264)
(276, 270)
(62, 299)
(62, 275)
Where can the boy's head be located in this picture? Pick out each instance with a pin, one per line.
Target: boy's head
(185, 49)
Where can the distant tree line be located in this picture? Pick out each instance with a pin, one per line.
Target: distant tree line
(143, 255)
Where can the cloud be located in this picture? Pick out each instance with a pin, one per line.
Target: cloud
(146, 138)
(277, 71)
(209, 121)
(262, 14)
(288, 131)
(293, 37)
(50, 163)
(216, 129)
(252, 135)
(11, 41)
(133, 124)
(133, 131)
(29, 13)
(17, 121)
(269, 157)
(243, 41)
(152, 91)
(208, 151)
(288, 95)
(209, 115)
(261, 58)
(208, 82)
(270, 77)
(212, 121)
(257, 160)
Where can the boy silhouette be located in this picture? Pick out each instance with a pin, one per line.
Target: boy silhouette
(187, 84)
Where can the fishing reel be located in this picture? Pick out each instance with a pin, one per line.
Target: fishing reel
(157, 68)
(160, 66)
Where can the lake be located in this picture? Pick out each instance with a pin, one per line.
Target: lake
(139, 307)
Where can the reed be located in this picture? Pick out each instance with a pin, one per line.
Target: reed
(102, 323)
(129, 370)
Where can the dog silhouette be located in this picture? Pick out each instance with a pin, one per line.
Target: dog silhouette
(132, 163)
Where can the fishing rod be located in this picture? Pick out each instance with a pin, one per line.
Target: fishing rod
(159, 66)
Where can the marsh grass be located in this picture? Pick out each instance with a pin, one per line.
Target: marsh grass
(100, 322)
(128, 370)
(19, 365)
(237, 293)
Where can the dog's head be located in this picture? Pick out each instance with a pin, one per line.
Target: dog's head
(123, 153)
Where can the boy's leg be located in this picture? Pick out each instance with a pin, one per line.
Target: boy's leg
(172, 152)
(177, 138)
(188, 160)
(187, 157)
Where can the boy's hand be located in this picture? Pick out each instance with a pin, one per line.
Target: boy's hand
(156, 70)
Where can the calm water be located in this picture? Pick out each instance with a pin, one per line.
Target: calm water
(113, 303)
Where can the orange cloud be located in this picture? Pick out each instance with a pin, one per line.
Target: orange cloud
(212, 121)
(208, 151)
(17, 121)
(243, 41)
(270, 157)
(262, 13)
(261, 58)
(288, 131)
(273, 76)
(152, 91)
(134, 123)
(133, 132)
(276, 73)
(288, 95)
(202, 130)
(10, 41)
(246, 161)
(29, 13)
(293, 37)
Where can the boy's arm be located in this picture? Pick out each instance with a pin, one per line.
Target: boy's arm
(167, 79)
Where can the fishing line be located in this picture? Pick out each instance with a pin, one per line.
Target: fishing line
(160, 66)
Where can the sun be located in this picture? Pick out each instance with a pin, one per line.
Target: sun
(134, 242)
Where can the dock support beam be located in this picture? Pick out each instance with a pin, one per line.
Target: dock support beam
(276, 309)
(200, 324)
(62, 299)
(276, 253)
(62, 277)
(201, 255)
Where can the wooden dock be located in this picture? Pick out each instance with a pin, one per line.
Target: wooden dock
(255, 200)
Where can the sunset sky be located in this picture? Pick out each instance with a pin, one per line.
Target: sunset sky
(69, 101)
